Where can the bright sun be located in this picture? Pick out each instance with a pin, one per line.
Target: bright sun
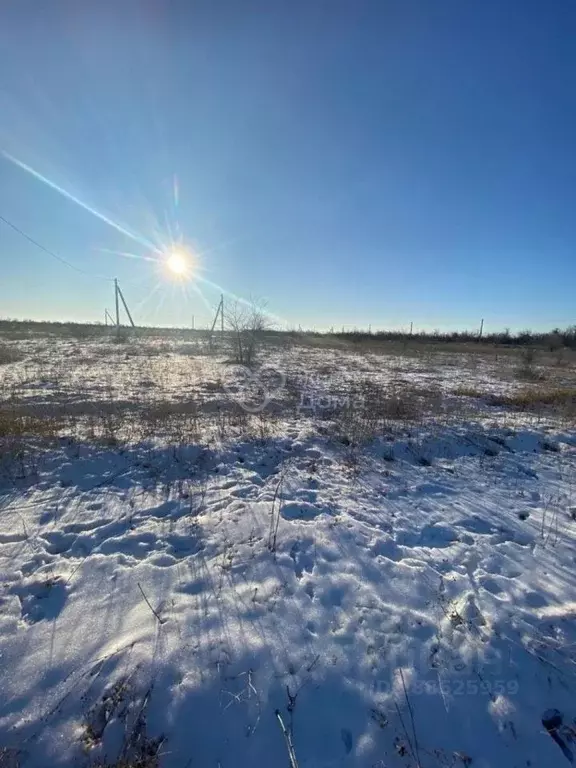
(178, 264)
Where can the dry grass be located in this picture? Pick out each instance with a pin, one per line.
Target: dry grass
(148, 758)
(115, 423)
(146, 762)
(9, 354)
(469, 392)
(9, 758)
(369, 411)
(26, 422)
(153, 389)
(561, 399)
(529, 373)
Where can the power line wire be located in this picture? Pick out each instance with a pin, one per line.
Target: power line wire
(51, 253)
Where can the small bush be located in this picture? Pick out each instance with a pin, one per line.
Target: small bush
(247, 324)
(9, 355)
(528, 356)
(525, 370)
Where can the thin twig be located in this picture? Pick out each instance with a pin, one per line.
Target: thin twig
(73, 572)
(160, 619)
(288, 740)
(310, 667)
(417, 756)
(272, 534)
(129, 739)
(408, 739)
(272, 539)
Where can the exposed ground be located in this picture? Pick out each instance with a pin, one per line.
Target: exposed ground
(363, 555)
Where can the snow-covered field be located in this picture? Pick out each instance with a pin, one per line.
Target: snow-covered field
(207, 569)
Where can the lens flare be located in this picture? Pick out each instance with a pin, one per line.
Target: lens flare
(179, 263)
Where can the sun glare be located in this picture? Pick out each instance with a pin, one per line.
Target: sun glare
(179, 264)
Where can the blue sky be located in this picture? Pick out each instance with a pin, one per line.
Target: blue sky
(351, 162)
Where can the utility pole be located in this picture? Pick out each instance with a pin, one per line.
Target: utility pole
(117, 303)
(192, 322)
(219, 312)
(125, 305)
(411, 327)
(119, 296)
(481, 329)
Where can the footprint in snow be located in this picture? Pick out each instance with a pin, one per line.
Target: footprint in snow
(89, 525)
(169, 508)
(244, 492)
(333, 597)
(12, 538)
(561, 733)
(346, 739)
(181, 547)
(491, 585)
(386, 548)
(56, 542)
(309, 589)
(303, 560)
(302, 510)
(501, 566)
(535, 600)
(431, 536)
(305, 494)
(431, 489)
(475, 524)
(41, 599)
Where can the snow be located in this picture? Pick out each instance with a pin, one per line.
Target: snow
(409, 603)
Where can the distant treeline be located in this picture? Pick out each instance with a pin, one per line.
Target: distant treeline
(553, 339)
(23, 329)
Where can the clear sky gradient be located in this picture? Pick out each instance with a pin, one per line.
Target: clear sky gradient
(352, 162)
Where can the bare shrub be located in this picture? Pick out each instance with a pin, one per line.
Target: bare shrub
(369, 411)
(247, 323)
(526, 370)
(9, 354)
